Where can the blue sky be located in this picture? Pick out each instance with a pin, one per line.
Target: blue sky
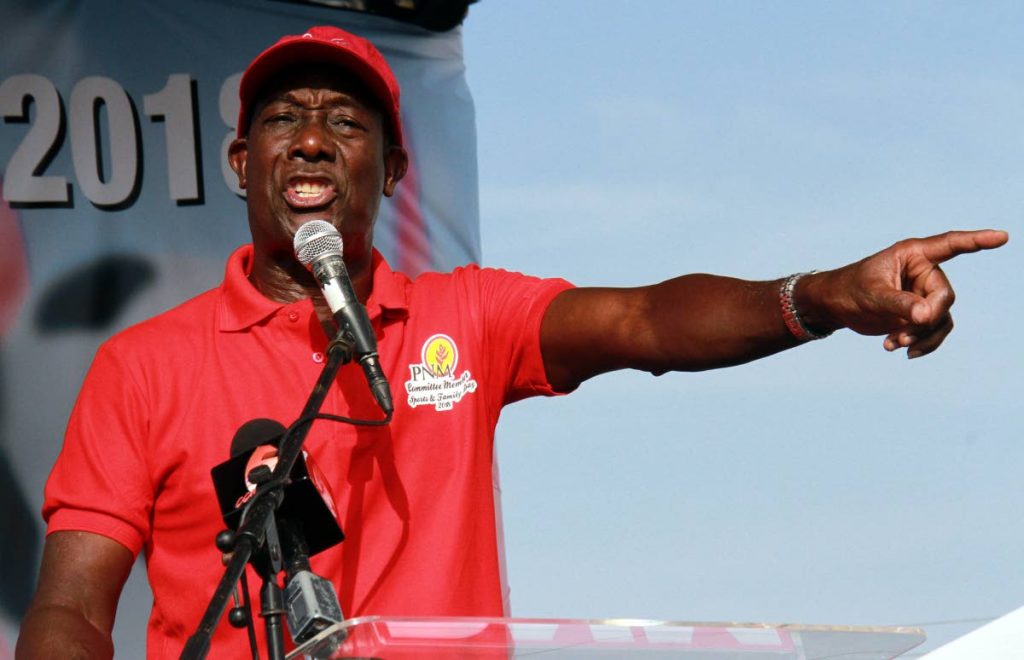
(836, 483)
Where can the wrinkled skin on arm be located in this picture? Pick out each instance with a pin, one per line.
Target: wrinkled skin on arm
(72, 613)
(697, 322)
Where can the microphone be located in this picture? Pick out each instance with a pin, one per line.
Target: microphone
(318, 247)
(307, 497)
(311, 603)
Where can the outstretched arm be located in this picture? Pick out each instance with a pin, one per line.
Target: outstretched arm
(72, 612)
(698, 322)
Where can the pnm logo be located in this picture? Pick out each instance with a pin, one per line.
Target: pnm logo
(433, 380)
(440, 355)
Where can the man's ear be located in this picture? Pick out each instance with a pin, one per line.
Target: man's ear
(396, 162)
(238, 152)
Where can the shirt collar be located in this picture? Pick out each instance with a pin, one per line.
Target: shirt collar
(243, 306)
(389, 296)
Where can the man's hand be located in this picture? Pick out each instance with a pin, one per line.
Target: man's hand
(900, 292)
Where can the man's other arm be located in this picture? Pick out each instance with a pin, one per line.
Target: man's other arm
(72, 613)
(698, 322)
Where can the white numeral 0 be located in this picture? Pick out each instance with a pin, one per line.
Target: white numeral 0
(122, 128)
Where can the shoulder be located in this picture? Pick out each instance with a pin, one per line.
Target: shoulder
(488, 295)
(177, 328)
(494, 280)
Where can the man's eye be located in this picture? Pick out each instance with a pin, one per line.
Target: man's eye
(280, 118)
(345, 122)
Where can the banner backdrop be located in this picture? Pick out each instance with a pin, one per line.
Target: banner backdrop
(117, 202)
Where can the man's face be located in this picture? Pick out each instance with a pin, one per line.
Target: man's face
(315, 149)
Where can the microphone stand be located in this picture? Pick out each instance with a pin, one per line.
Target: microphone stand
(252, 533)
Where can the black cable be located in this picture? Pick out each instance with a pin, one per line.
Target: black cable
(335, 418)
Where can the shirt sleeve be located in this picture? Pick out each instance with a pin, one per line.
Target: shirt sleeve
(514, 306)
(100, 482)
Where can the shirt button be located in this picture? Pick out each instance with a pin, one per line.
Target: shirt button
(318, 357)
(293, 316)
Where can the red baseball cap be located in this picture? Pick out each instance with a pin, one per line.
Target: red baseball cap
(324, 44)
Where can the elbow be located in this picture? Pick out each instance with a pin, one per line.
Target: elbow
(61, 631)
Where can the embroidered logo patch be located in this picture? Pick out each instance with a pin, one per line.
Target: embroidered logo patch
(433, 382)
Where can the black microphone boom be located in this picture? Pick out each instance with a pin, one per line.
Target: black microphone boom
(318, 247)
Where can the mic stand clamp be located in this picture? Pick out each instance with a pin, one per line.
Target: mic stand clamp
(345, 342)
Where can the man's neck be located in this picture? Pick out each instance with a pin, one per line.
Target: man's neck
(285, 280)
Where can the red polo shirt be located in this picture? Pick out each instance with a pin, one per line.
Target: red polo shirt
(416, 499)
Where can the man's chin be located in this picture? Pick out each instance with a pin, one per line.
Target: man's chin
(297, 219)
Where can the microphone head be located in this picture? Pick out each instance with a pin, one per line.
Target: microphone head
(256, 432)
(315, 240)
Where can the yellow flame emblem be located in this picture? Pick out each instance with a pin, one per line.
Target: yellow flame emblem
(440, 355)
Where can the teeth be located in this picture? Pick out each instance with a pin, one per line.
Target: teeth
(307, 189)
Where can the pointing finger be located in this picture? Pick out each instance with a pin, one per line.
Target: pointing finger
(946, 246)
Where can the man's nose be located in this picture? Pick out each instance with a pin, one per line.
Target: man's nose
(311, 142)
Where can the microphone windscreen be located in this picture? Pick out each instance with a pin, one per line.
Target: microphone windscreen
(256, 432)
(316, 239)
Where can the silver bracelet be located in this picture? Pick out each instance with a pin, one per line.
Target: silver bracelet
(791, 316)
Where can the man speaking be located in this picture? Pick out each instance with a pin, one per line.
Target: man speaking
(320, 138)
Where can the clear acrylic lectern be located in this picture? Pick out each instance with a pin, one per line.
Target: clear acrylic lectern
(398, 638)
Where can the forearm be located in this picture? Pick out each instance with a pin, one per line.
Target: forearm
(698, 322)
(689, 323)
(57, 631)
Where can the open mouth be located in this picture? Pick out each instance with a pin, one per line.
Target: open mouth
(307, 193)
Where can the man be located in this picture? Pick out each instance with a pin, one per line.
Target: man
(320, 138)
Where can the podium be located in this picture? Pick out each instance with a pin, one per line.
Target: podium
(401, 638)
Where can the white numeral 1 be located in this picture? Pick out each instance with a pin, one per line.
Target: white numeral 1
(174, 105)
